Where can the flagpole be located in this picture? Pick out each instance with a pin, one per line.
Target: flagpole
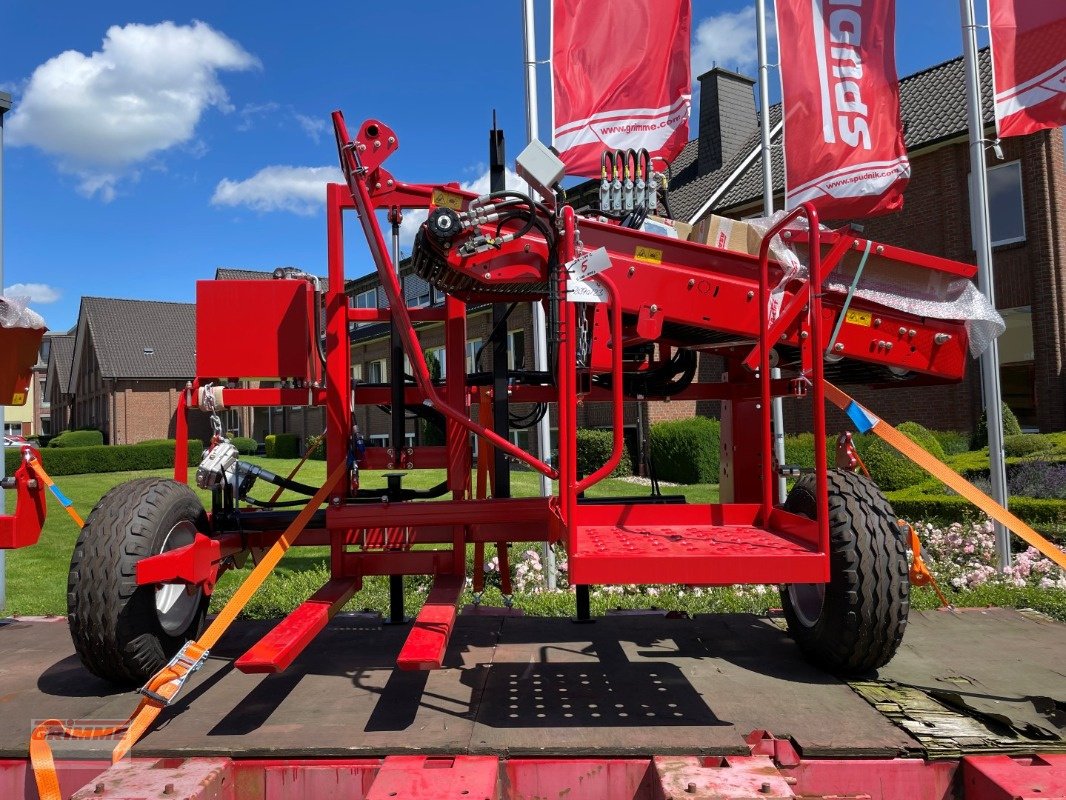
(540, 336)
(777, 411)
(983, 244)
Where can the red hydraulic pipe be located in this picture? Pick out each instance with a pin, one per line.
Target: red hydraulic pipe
(618, 398)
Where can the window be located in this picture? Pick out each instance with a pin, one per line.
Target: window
(367, 299)
(409, 439)
(516, 349)
(13, 428)
(438, 367)
(472, 346)
(422, 300)
(436, 296)
(357, 372)
(376, 372)
(379, 440)
(1006, 207)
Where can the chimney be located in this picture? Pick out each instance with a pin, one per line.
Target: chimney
(727, 117)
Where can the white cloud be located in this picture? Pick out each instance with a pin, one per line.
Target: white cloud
(727, 40)
(36, 292)
(143, 92)
(312, 126)
(300, 190)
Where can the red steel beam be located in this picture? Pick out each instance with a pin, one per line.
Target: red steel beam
(279, 648)
(428, 640)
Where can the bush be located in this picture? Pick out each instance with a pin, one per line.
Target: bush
(686, 450)
(319, 445)
(283, 445)
(84, 438)
(245, 446)
(1037, 479)
(1025, 444)
(913, 506)
(107, 458)
(889, 469)
(980, 434)
(953, 442)
(799, 450)
(594, 450)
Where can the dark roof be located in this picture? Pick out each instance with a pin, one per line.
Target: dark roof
(139, 338)
(933, 108)
(61, 355)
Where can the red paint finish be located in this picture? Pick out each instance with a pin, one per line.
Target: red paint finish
(18, 354)
(196, 564)
(432, 778)
(1014, 777)
(23, 528)
(256, 329)
(279, 648)
(432, 628)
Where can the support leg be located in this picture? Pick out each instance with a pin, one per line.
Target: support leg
(396, 616)
(584, 605)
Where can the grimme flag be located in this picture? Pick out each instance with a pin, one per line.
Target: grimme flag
(620, 78)
(844, 147)
(1029, 64)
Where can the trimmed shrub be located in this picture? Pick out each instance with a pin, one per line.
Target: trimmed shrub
(593, 451)
(953, 442)
(892, 471)
(245, 446)
(686, 450)
(107, 458)
(799, 450)
(77, 439)
(913, 506)
(283, 445)
(319, 452)
(1025, 444)
(980, 434)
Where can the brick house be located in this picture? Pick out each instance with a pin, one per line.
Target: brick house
(721, 172)
(130, 360)
(57, 380)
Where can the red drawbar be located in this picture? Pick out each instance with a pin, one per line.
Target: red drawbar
(279, 648)
(428, 640)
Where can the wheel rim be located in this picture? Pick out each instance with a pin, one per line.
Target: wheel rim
(175, 606)
(807, 600)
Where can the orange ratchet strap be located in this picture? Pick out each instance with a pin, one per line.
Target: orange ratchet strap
(866, 421)
(164, 686)
(35, 466)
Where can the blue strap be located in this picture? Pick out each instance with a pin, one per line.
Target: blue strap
(864, 421)
(64, 501)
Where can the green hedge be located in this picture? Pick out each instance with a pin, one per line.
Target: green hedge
(889, 469)
(799, 450)
(106, 458)
(320, 452)
(1025, 444)
(77, 439)
(283, 445)
(245, 446)
(594, 450)
(953, 442)
(686, 450)
(980, 434)
(914, 505)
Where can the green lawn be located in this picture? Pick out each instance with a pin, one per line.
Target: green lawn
(36, 576)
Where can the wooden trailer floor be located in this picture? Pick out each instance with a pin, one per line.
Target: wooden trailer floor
(975, 680)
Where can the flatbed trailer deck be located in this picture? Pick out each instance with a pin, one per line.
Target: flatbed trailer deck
(621, 696)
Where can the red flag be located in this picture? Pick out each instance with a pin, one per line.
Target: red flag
(844, 147)
(1029, 64)
(620, 78)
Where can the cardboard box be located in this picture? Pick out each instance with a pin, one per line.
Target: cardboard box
(727, 234)
(673, 228)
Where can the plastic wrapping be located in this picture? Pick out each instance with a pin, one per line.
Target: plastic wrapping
(893, 284)
(16, 313)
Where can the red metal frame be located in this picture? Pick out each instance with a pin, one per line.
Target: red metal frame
(663, 291)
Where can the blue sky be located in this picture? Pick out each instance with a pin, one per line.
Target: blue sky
(159, 141)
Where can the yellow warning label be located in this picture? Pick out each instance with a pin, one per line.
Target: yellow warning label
(447, 199)
(649, 255)
(863, 318)
(18, 399)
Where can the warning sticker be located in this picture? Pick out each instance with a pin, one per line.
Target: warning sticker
(447, 199)
(649, 255)
(18, 399)
(863, 318)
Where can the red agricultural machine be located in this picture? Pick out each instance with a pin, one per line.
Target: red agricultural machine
(628, 311)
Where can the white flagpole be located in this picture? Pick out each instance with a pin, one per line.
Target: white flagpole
(540, 335)
(767, 210)
(983, 243)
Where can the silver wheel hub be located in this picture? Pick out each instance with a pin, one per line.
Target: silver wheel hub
(807, 600)
(176, 604)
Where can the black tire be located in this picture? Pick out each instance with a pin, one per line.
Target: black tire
(863, 613)
(116, 630)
